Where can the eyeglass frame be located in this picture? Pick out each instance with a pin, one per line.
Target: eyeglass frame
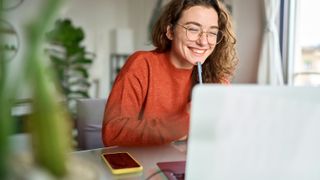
(201, 33)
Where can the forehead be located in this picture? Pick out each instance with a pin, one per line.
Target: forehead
(206, 16)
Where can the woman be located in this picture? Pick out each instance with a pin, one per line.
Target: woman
(150, 100)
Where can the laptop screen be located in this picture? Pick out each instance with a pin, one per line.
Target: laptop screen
(254, 132)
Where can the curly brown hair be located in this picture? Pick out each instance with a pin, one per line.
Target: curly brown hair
(220, 65)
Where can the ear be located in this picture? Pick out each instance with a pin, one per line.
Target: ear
(169, 32)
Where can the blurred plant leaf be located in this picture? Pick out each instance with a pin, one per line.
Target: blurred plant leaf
(82, 61)
(82, 71)
(49, 123)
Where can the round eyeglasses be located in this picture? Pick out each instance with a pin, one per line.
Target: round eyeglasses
(193, 33)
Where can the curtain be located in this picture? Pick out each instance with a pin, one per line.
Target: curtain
(270, 67)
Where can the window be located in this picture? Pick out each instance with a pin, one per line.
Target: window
(303, 43)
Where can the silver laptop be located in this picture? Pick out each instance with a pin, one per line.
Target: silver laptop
(250, 132)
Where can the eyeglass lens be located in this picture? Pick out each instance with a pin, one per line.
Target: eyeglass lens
(213, 36)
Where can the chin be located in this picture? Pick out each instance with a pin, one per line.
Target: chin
(199, 60)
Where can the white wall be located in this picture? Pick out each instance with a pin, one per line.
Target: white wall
(20, 17)
(140, 15)
(248, 16)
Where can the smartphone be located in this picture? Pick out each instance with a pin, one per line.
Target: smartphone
(121, 163)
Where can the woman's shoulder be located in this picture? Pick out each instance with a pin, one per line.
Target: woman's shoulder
(146, 55)
(143, 58)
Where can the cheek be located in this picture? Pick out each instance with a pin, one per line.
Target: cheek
(180, 38)
(180, 44)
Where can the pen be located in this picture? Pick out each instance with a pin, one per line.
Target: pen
(199, 72)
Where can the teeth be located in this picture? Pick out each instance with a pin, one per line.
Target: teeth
(198, 51)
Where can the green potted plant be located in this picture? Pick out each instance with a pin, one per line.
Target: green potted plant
(70, 60)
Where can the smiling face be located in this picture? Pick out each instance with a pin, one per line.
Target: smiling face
(184, 53)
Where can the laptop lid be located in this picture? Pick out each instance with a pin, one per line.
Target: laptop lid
(254, 132)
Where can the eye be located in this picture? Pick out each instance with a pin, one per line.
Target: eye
(193, 30)
(213, 33)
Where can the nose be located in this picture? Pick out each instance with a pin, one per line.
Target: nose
(203, 39)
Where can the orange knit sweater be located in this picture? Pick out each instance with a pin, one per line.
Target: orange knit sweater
(148, 102)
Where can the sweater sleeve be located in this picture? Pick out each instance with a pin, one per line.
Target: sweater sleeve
(124, 123)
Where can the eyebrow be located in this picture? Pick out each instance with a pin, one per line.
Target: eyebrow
(198, 24)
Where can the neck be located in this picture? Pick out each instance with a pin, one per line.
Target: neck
(179, 63)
